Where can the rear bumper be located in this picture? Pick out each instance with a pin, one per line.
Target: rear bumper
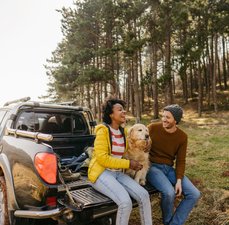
(87, 196)
(40, 214)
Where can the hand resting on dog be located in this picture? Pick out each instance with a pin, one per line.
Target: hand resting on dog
(135, 165)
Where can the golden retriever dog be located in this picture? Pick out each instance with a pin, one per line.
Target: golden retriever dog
(139, 144)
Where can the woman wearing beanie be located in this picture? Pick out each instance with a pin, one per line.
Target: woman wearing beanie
(169, 145)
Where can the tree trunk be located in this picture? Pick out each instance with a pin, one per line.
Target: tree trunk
(99, 101)
(88, 96)
(168, 86)
(105, 89)
(136, 88)
(94, 101)
(184, 75)
(118, 69)
(129, 86)
(82, 95)
(142, 91)
(153, 69)
(212, 64)
(224, 65)
(200, 101)
(209, 75)
(191, 80)
(214, 94)
(219, 73)
(206, 79)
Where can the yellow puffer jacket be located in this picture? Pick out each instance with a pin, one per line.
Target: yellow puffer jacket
(101, 158)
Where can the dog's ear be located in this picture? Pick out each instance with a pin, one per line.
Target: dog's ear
(129, 134)
(148, 147)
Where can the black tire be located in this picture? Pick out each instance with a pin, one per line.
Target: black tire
(112, 218)
(4, 214)
(107, 220)
(23, 221)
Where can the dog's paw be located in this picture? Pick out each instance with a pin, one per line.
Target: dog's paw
(143, 182)
(137, 179)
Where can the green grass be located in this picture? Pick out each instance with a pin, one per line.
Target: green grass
(207, 167)
(208, 155)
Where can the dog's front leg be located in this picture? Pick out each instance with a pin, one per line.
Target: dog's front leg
(137, 176)
(130, 172)
(143, 177)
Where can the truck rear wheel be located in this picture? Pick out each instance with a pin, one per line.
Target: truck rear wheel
(107, 220)
(23, 221)
(4, 215)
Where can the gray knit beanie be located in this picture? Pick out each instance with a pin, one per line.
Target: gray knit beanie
(176, 111)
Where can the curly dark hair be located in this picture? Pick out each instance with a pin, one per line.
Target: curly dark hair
(107, 108)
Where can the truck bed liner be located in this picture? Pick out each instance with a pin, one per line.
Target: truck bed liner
(82, 192)
(89, 196)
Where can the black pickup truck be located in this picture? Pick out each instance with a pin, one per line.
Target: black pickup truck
(34, 139)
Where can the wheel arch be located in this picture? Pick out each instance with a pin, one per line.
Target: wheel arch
(5, 171)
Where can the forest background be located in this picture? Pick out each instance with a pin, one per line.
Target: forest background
(143, 51)
(152, 53)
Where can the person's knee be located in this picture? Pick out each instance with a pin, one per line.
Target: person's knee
(196, 195)
(153, 176)
(169, 195)
(126, 204)
(144, 196)
(193, 195)
(150, 174)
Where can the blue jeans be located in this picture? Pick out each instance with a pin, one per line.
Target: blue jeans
(119, 187)
(163, 178)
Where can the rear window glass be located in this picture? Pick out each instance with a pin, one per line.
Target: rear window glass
(52, 123)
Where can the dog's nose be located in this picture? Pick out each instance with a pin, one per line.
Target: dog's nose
(147, 136)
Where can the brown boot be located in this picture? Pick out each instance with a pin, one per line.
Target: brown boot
(69, 176)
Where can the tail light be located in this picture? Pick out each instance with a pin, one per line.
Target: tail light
(46, 166)
(51, 201)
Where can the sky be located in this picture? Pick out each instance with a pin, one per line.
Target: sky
(29, 32)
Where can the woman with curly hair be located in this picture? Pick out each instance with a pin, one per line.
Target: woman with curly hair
(106, 167)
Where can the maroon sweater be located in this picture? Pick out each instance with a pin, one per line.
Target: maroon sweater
(168, 147)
